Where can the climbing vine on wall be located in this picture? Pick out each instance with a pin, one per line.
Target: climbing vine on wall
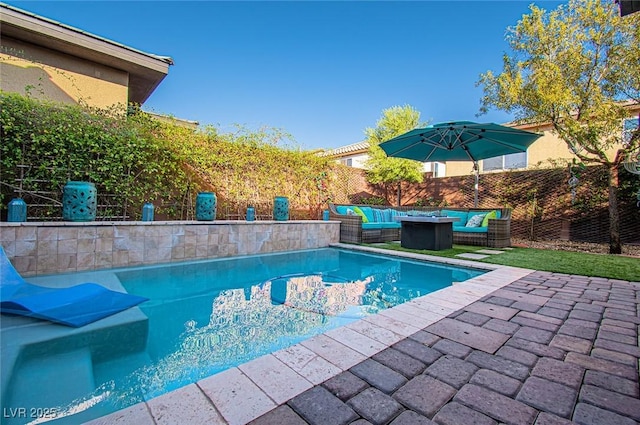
(46, 144)
(138, 158)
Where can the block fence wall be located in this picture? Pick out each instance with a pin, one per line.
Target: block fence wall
(37, 248)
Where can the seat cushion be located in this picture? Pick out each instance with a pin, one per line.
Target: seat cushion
(361, 213)
(368, 213)
(372, 226)
(390, 213)
(471, 229)
(394, 225)
(462, 215)
(472, 212)
(378, 215)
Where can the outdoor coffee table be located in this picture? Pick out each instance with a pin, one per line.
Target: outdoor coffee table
(426, 232)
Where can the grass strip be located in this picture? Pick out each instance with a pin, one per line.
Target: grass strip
(568, 262)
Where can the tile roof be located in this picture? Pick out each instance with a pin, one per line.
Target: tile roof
(352, 148)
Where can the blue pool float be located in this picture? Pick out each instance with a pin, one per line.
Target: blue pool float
(74, 306)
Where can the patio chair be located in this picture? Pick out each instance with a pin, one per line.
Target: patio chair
(73, 306)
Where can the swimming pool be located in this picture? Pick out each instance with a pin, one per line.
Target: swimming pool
(205, 317)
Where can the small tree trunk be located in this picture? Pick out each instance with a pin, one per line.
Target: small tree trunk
(399, 193)
(615, 246)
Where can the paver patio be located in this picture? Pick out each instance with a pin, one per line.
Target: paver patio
(548, 349)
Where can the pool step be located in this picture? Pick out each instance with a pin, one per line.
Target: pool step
(51, 383)
(123, 368)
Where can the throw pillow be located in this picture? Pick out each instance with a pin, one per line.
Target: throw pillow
(361, 214)
(350, 212)
(475, 221)
(378, 215)
(491, 214)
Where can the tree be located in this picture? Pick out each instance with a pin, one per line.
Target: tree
(575, 68)
(392, 171)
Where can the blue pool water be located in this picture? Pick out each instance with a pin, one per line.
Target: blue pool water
(205, 317)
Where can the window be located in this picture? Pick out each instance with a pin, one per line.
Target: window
(505, 162)
(438, 169)
(348, 162)
(515, 160)
(629, 126)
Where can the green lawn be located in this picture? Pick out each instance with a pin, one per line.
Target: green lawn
(578, 263)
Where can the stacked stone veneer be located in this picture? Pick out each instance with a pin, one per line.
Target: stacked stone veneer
(41, 248)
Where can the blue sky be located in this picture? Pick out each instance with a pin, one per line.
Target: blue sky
(322, 71)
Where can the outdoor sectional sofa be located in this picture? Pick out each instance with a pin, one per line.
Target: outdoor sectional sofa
(370, 224)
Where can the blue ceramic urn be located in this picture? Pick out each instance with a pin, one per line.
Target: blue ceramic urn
(79, 201)
(148, 211)
(251, 214)
(206, 206)
(17, 210)
(281, 208)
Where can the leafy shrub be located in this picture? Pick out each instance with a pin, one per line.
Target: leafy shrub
(136, 158)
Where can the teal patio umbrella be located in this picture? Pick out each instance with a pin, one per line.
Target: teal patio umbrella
(459, 141)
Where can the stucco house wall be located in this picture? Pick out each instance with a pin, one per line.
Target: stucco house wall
(26, 68)
(546, 148)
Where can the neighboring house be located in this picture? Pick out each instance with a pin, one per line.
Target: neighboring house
(356, 155)
(50, 60)
(193, 125)
(545, 152)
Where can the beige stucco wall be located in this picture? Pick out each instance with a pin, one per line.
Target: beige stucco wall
(459, 168)
(59, 77)
(548, 147)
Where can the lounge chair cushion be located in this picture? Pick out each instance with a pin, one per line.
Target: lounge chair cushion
(73, 306)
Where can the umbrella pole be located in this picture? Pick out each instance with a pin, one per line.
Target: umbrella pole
(475, 186)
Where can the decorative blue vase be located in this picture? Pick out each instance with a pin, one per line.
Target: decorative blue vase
(79, 200)
(147, 211)
(206, 206)
(17, 210)
(281, 208)
(251, 214)
(325, 215)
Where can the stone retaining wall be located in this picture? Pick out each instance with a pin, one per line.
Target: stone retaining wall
(37, 248)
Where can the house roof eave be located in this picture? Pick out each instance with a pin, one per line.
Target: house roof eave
(146, 71)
